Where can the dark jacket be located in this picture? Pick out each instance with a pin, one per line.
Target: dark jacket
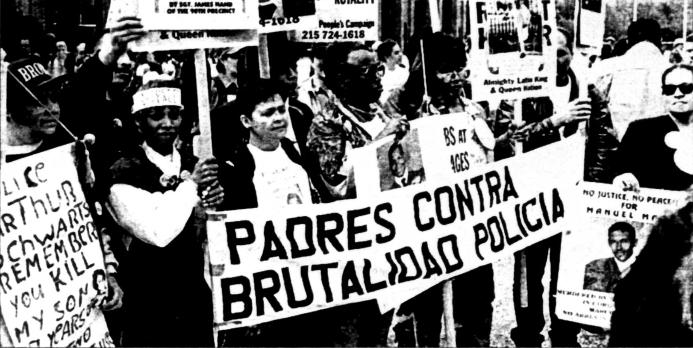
(167, 301)
(644, 154)
(238, 167)
(601, 141)
(601, 275)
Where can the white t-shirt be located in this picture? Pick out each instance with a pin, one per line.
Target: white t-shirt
(278, 180)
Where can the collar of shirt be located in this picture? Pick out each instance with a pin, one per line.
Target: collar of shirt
(401, 179)
(169, 165)
(624, 266)
(22, 149)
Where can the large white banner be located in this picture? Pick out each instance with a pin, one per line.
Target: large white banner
(513, 50)
(269, 264)
(343, 20)
(52, 277)
(608, 230)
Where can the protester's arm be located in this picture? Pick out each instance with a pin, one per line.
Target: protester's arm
(155, 218)
(627, 155)
(115, 301)
(602, 142)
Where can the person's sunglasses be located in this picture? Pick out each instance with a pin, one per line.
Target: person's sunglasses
(685, 88)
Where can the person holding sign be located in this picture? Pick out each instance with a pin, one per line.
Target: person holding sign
(656, 152)
(348, 115)
(473, 292)
(542, 121)
(154, 190)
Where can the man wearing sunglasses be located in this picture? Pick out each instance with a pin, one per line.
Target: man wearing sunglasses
(654, 152)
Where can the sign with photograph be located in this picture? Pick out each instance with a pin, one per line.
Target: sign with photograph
(609, 229)
(272, 264)
(513, 49)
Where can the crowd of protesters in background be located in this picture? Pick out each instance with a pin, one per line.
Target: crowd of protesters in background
(286, 140)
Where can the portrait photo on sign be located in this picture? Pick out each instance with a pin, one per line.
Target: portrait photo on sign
(399, 163)
(604, 253)
(515, 26)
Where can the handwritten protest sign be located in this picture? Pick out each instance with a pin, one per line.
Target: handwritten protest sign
(270, 264)
(513, 50)
(593, 259)
(450, 149)
(281, 15)
(343, 20)
(52, 276)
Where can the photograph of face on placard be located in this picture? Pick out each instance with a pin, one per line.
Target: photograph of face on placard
(613, 247)
(399, 163)
(281, 15)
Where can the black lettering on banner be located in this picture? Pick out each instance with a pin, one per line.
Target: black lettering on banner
(558, 210)
(269, 293)
(291, 293)
(353, 229)
(350, 281)
(273, 245)
(519, 223)
(379, 238)
(325, 278)
(399, 255)
(423, 227)
(234, 241)
(466, 198)
(439, 203)
(325, 234)
(452, 241)
(228, 298)
(480, 237)
(493, 183)
(475, 181)
(370, 286)
(392, 275)
(291, 225)
(509, 189)
(23, 330)
(511, 240)
(533, 227)
(494, 225)
(544, 211)
(430, 264)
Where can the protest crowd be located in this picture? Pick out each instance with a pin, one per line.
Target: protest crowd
(168, 146)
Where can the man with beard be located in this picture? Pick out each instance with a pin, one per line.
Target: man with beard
(656, 152)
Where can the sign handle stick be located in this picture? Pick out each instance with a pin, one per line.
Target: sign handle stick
(523, 257)
(448, 316)
(263, 56)
(435, 15)
(204, 144)
(3, 109)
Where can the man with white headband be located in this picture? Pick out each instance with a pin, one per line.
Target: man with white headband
(152, 198)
